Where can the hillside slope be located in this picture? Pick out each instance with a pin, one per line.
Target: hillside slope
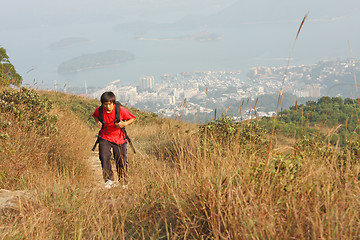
(214, 181)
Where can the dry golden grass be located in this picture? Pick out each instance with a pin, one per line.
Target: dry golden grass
(177, 192)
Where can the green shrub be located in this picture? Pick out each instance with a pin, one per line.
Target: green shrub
(225, 132)
(29, 108)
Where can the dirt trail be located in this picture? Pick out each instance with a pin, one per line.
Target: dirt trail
(95, 164)
(9, 200)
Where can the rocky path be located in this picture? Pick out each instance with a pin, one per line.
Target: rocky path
(9, 199)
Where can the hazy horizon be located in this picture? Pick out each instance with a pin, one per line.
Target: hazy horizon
(162, 36)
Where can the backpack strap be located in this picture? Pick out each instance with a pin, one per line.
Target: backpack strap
(101, 118)
(101, 114)
(117, 111)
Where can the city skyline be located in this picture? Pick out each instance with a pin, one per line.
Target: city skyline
(201, 92)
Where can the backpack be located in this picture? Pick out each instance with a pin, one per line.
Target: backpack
(117, 119)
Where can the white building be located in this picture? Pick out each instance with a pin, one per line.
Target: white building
(126, 94)
(189, 93)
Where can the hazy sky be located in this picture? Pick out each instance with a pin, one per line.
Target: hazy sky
(20, 13)
(253, 33)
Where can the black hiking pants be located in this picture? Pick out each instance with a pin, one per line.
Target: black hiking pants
(120, 156)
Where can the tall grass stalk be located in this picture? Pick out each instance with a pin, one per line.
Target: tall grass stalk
(281, 93)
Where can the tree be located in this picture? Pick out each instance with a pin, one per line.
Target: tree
(8, 74)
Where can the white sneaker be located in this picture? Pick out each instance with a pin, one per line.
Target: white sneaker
(110, 184)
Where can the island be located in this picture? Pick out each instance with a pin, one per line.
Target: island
(68, 42)
(200, 36)
(95, 60)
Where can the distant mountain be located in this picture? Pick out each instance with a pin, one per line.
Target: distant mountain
(255, 12)
(276, 11)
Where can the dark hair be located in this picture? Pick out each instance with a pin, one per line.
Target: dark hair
(107, 97)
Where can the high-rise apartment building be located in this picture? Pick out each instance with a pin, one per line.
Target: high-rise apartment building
(147, 82)
(314, 90)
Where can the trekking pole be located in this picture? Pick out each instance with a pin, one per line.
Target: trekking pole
(128, 139)
(96, 143)
(98, 136)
